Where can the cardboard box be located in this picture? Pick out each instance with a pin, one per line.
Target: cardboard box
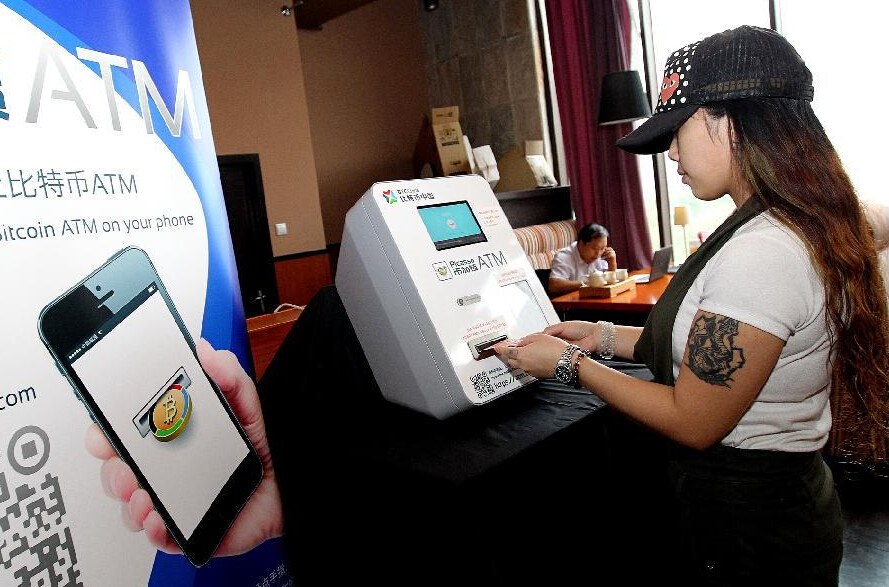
(515, 172)
(449, 140)
(534, 148)
(525, 171)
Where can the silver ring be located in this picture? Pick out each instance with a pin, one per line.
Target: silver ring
(512, 353)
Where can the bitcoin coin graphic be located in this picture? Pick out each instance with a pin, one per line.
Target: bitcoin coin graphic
(171, 413)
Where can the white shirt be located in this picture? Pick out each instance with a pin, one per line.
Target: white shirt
(764, 277)
(567, 264)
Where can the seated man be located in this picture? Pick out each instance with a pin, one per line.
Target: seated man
(590, 252)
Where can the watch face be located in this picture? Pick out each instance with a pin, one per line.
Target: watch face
(563, 373)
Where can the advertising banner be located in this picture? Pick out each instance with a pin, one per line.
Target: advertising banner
(108, 169)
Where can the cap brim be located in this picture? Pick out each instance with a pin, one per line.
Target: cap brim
(656, 133)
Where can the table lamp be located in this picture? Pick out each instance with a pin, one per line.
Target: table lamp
(623, 98)
(681, 217)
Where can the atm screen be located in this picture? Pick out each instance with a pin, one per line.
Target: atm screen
(451, 225)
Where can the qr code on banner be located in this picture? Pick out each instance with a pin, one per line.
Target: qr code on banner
(482, 385)
(36, 548)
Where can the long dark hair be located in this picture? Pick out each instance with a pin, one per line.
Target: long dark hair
(780, 148)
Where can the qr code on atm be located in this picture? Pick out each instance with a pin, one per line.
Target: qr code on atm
(36, 547)
(482, 385)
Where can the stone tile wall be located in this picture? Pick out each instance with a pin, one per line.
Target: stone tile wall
(484, 56)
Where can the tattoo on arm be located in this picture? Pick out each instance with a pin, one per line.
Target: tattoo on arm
(712, 354)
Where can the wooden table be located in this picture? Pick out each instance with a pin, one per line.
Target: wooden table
(266, 333)
(639, 300)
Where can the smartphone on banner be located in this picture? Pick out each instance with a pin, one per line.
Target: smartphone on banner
(119, 340)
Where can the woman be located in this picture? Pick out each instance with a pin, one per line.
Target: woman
(770, 318)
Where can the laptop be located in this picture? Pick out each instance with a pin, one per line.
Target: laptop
(660, 262)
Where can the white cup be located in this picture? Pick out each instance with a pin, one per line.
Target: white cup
(610, 277)
(622, 274)
(595, 279)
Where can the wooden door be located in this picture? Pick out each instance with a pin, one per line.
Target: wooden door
(245, 202)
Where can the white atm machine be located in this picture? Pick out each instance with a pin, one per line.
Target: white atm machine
(431, 276)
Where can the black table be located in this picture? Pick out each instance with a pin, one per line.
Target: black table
(374, 492)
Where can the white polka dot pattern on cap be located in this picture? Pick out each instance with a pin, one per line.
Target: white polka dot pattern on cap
(737, 63)
(675, 73)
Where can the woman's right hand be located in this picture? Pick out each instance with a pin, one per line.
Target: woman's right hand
(586, 335)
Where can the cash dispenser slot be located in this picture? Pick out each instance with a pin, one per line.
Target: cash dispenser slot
(481, 347)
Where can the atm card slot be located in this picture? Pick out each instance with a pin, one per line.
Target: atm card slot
(481, 347)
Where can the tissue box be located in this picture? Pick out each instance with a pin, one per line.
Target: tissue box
(486, 164)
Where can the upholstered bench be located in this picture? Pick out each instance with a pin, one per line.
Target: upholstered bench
(541, 241)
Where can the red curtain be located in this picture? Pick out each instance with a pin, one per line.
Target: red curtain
(589, 39)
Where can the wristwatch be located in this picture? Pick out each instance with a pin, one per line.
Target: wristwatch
(564, 371)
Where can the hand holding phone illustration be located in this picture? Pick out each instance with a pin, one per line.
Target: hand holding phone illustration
(261, 518)
(119, 339)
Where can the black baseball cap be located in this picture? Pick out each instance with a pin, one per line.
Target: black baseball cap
(737, 63)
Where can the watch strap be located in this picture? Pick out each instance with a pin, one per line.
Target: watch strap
(562, 371)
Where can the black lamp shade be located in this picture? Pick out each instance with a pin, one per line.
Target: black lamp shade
(623, 98)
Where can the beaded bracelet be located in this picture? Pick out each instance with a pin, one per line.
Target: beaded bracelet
(575, 371)
(606, 349)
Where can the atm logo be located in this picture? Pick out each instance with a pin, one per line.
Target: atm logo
(171, 413)
(168, 411)
(390, 197)
(442, 271)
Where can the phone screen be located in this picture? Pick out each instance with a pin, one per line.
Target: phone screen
(143, 376)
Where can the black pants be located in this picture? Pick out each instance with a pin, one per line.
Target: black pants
(750, 517)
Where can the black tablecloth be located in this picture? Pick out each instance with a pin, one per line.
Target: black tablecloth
(376, 492)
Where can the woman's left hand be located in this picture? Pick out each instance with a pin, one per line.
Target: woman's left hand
(536, 354)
